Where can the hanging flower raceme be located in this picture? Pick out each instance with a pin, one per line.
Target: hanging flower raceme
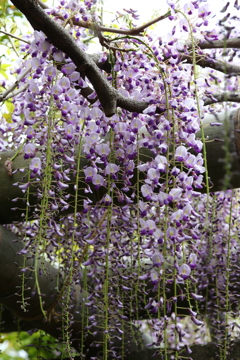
(118, 204)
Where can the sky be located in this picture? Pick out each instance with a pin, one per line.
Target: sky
(146, 8)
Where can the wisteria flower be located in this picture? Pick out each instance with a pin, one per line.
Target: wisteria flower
(184, 271)
(181, 153)
(35, 165)
(157, 259)
(29, 150)
(89, 172)
(98, 181)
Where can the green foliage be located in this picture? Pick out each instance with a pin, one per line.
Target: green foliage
(22, 346)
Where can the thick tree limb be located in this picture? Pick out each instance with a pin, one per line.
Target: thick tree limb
(232, 43)
(221, 97)
(205, 61)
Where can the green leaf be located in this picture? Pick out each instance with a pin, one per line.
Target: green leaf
(3, 73)
(4, 66)
(9, 106)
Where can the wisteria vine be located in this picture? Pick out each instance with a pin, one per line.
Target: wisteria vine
(147, 244)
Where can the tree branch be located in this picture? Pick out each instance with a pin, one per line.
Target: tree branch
(221, 97)
(14, 36)
(65, 42)
(90, 25)
(206, 62)
(108, 96)
(9, 92)
(232, 43)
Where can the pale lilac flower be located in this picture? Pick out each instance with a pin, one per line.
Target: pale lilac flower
(30, 132)
(192, 260)
(62, 186)
(151, 226)
(150, 110)
(120, 154)
(35, 63)
(203, 11)
(188, 183)
(96, 112)
(147, 191)
(153, 175)
(64, 82)
(68, 68)
(181, 153)
(103, 149)
(29, 150)
(24, 187)
(56, 91)
(172, 233)
(188, 8)
(50, 72)
(198, 182)
(175, 194)
(58, 56)
(196, 296)
(154, 276)
(189, 104)
(177, 216)
(107, 200)
(71, 94)
(161, 162)
(184, 271)
(196, 321)
(44, 46)
(69, 159)
(75, 76)
(69, 130)
(89, 173)
(187, 210)
(35, 165)
(190, 161)
(111, 169)
(131, 151)
(171, 3)
(33, 87)
(136, 124)
(120, 127)
(98, 181)
(163, 198)
(147, 227)
(159, 235)
(184, 24)
(157, 259)
(28, 118)
(65, 108)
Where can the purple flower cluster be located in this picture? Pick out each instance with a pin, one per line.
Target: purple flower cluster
(130, 183)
